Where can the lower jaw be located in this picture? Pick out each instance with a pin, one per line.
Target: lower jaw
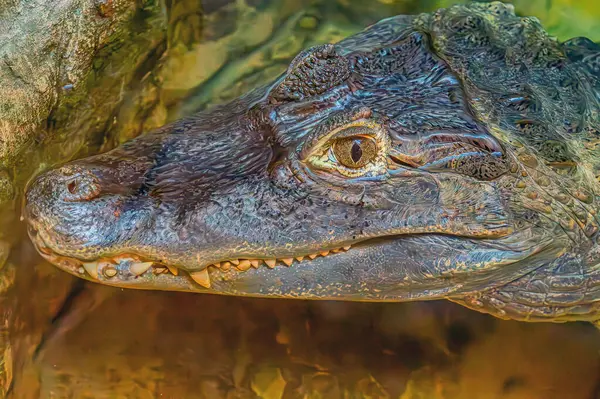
(389, 270)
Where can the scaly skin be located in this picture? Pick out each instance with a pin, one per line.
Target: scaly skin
(446, 155)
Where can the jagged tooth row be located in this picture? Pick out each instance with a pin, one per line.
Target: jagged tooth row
(245, 264)
(202, 277)
(108, 268)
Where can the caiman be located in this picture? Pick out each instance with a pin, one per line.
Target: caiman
(449, 155)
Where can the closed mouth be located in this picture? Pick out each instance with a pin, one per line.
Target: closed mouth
(127, 267)
(253, 277)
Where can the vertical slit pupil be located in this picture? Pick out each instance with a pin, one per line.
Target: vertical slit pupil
(356, 151)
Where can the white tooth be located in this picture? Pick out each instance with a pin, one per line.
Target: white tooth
(288, 261)
(244, 265)
(270, 262)
(226, 266)
(139, 268)
(299, 258)
(335, 251)
(347, 247)
(91, 268)
(174, 271)
(324, 253)
(255, 263)
(235, 262)
(202, 278)
(312, 256)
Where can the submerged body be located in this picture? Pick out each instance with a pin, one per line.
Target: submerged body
(446, 155)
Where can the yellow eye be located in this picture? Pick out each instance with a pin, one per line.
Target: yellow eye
(357, 149)
(355, 152)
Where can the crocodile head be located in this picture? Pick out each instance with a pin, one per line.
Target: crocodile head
(373, 169)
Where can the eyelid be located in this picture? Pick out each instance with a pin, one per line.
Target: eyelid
(353, 132)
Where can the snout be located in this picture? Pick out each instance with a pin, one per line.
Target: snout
(73, 207)
(69, 183)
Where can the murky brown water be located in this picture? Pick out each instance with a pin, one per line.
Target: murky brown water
(110, 343)
(71, 339)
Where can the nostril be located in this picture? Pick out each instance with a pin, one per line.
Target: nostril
(72, 186)
(81, 187)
